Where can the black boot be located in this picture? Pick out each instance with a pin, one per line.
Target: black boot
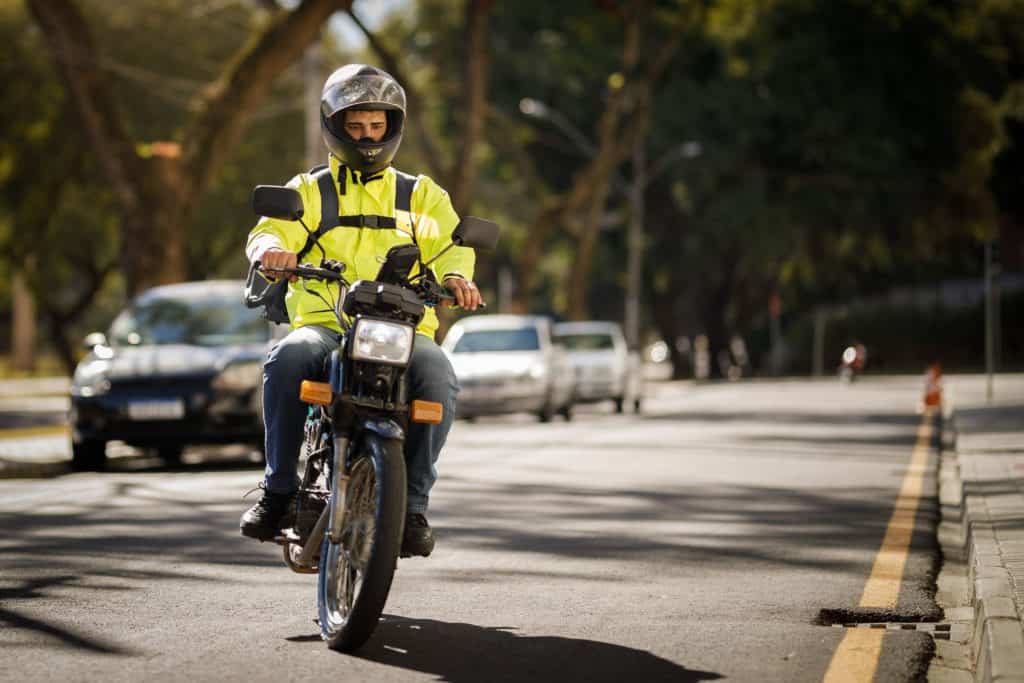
(271, 513)
(418, 539)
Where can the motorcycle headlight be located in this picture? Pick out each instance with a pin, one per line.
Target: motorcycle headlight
(381, 341)
(240, 376)
(91, 379)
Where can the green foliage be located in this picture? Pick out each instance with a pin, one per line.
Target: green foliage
(846, 146)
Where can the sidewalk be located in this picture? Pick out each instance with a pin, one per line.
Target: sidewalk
(987, 444)
(33, 427)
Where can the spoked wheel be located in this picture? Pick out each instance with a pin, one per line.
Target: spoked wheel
(355, 574)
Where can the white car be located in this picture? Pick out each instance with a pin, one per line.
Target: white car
(605, 368)
(509, 364)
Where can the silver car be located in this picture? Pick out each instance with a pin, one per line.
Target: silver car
(605, 369)
(509, 364)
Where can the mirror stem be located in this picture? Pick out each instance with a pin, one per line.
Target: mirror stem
(440, 254)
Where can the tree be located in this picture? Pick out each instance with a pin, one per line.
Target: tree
(848, 145)
(158, 190)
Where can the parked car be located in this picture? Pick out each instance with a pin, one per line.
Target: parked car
(182, 364)
(509, 364)
(605, 368)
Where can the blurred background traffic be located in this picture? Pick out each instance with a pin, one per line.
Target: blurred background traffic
(744, 187)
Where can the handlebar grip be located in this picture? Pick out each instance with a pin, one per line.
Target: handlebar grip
(447, 294)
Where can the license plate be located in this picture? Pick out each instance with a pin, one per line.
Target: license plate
(157, 410)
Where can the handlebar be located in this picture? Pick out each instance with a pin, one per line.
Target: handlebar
(309, 272)
(432, 292)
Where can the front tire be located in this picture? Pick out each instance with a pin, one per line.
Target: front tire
(355, 575)
(170, 454)
(89, 455)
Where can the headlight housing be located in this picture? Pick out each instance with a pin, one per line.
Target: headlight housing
(382, 341)
(240, 376)
(91, 378)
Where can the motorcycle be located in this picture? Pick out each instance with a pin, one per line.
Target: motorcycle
(853, 360)
(350, 507)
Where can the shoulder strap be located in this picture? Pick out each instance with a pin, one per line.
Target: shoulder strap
(328, 207)
(329, 218)
(404, 185)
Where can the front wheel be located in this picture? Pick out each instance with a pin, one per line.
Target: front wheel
(355, 574)
(89, 455)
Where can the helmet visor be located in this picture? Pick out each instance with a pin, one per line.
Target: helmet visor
(379, 92)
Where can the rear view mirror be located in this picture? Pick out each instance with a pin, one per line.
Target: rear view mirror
(477, 233)
(274, 201)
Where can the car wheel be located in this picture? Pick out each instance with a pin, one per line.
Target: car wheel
(170, 454)
(636, 406)
(546, 413)
(89, 456)
(566, 412)
(619, 404)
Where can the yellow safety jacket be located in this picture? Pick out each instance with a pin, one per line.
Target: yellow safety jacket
(362, 250)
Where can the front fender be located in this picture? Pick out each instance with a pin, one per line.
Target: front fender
(385, 428)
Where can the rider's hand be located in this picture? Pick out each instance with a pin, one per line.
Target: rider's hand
(278, 258)
(467, 296)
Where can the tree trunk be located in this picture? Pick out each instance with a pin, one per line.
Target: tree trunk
(579, 276)
(476, 64)
(23, 325)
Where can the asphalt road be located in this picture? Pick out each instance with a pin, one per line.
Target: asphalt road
(699, 541)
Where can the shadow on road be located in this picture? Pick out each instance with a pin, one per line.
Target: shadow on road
(459, 653)
(35, 589)
(772, 525)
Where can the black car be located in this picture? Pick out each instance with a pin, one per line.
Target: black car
(181, 365)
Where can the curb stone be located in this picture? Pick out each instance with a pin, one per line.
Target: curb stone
(997, 643)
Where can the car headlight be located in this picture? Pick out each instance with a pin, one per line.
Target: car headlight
(91, 379)
(381, 341)
(538, 371)
(240, 376)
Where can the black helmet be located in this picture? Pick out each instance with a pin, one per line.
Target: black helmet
(358, 86)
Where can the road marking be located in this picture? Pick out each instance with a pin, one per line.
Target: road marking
(28, 432)
(856, 658)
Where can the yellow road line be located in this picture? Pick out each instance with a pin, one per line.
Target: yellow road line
(27, 432)
(857, 656)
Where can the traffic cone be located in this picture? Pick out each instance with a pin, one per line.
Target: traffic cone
(933, 385)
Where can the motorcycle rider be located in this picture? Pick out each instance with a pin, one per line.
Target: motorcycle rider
(362, 116)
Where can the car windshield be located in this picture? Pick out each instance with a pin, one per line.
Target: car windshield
(586, 342)
(213, 320)
(521, 339)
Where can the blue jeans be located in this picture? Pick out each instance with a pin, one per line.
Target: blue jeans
(303, 355)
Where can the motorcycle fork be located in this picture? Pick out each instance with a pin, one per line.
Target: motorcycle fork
(332, 519)
(339, 489)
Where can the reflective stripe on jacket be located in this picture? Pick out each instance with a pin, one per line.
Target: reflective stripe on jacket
(362, 250)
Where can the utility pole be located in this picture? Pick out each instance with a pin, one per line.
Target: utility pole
(775, 333)
(635, 246)
(991, 328)
(313, 78)
(818, 353)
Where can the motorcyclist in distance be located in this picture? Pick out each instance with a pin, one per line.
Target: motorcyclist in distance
(362, 120)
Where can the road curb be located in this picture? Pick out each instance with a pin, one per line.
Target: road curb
(997, 643)
(12, 469)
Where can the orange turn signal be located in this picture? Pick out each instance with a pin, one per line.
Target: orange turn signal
(427, 411)
(316, 392)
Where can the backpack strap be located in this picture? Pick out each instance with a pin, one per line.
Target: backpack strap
(404, 185)
(329, 218)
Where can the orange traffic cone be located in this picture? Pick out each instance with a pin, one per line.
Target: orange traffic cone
(933, 385)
